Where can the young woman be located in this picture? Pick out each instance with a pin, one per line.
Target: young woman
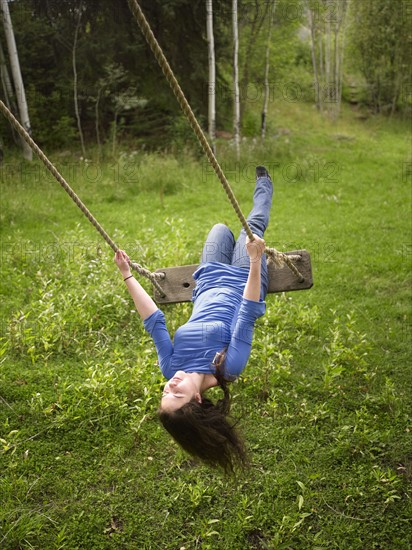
(213, 347)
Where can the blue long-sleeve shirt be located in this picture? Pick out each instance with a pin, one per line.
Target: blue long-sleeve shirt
(221, 318)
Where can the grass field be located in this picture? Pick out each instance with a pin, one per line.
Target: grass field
(324, 404)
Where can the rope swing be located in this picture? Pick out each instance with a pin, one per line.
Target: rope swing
(279, 258)
(36, 149)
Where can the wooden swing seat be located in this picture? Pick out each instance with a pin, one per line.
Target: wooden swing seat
(178, 283)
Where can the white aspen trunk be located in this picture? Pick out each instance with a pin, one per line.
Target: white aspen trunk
(336, 69)
(345, 9)
(75, 91)
(267, 67)
(17, 77)
(327, 44)
(328, 48)
(321, 70)
(212, 75)
(5, 80)
(236, 105)
(8, 91)
(314, 60)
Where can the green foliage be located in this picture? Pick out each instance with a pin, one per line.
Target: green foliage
(56, 130)
(182, 140)
(56, 319)
(346, 350)
(385, 62)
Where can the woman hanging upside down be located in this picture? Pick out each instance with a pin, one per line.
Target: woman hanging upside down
(213, 347)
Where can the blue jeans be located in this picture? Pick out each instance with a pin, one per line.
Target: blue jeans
(220, 245)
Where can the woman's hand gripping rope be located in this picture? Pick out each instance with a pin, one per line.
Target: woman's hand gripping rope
(143, 302)
(123, 263)
(255, 248)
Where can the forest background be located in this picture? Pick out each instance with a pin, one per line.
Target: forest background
(120, 93)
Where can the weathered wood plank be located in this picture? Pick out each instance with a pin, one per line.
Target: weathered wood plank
(283, 280)
(178, 283)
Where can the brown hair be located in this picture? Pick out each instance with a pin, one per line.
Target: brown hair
(205, 429)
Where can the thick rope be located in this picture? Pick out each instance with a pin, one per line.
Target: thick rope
(22, 132)
(279, 258)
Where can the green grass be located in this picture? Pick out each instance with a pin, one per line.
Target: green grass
(325, 400)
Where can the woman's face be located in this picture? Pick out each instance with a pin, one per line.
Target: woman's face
(178, 391)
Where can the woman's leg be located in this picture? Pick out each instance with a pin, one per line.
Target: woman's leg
(258, 221)
(219, 245)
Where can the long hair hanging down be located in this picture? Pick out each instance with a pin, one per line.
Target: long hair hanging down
(205, 430)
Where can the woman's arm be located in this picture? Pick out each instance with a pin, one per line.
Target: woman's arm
(238, 351)
(254, 249)
(143, 302)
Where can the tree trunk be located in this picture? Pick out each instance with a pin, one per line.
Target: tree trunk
(75, 92)
(395, 96)
(267, 67)
(8, 92)
(114, 134)
(97, 113)
(345, 8)
(328, 48)
(336, 70)
(212, 75)
(5, 79)
(17, 78)
(236, 105)
(321, 70)
(314, 60)
(327, 58)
